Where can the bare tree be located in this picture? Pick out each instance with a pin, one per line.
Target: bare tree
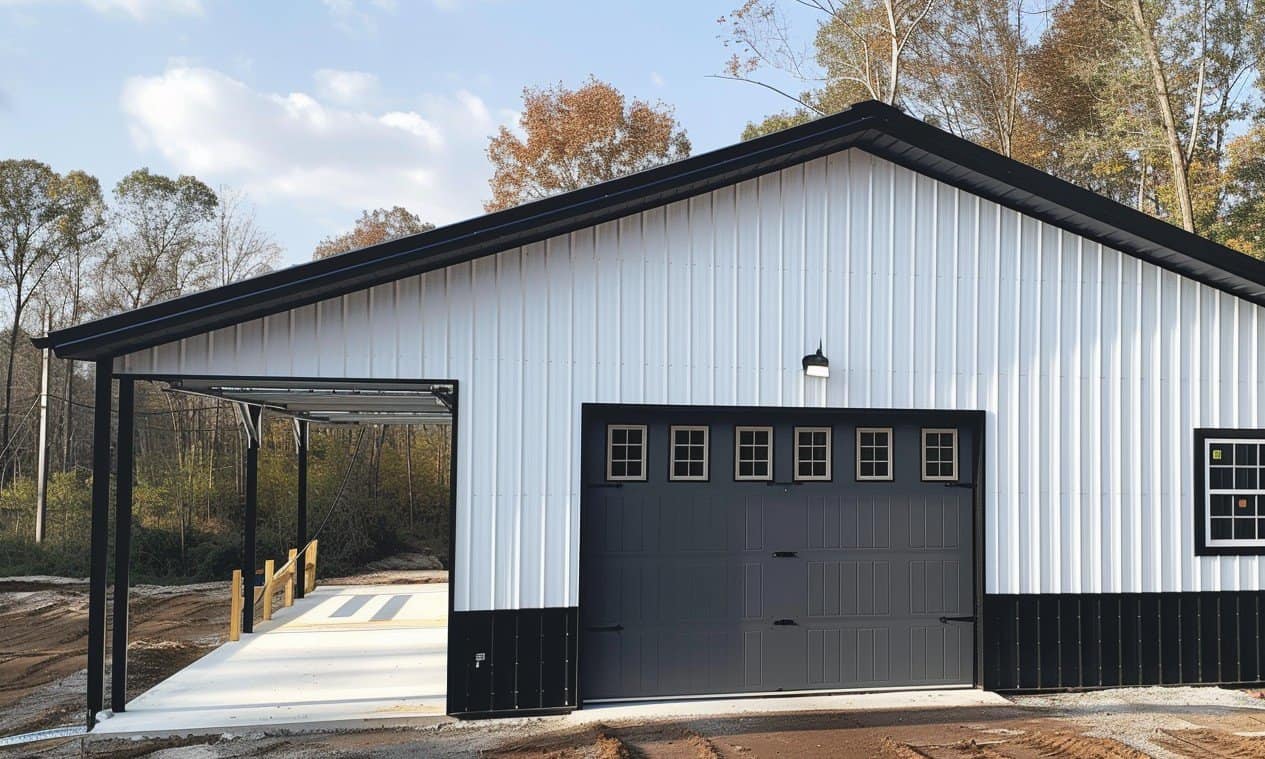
(239, 247)
(158, 249)
(860, 51)
(34, 203)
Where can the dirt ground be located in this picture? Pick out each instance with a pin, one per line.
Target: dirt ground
(42, 684)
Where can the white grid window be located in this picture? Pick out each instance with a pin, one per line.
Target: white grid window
(689, 453)
(939, 455)
(874, 453)
(1234, 481)
(626, 452)
(812, 453)
(753, 453)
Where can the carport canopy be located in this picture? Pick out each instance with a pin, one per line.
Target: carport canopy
(331, 401)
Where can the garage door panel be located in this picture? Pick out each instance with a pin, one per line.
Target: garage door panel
(724, 586)
(849, 522)
(849, 588)
(935, 587)
(850, 657)
(937, 523)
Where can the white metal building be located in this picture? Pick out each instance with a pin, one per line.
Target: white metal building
(1034, 461)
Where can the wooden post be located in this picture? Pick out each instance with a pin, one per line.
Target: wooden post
(235, 607)
(311, 562)
(294, 571)
(269, 571)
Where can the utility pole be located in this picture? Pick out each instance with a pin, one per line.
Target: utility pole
(41, 473)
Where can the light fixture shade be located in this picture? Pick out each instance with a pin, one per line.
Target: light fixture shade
(816, 364)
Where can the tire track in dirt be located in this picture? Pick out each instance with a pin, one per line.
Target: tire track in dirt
(1212, 744)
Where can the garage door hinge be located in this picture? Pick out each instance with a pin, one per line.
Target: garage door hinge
(947, 620)
(784, 622)
(967, 485)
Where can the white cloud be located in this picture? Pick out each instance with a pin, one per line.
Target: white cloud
(309, 154)
(345, 87)
(357, 16)
(656, 78)
(140, 10)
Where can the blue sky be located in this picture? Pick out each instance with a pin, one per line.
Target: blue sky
(319, 109)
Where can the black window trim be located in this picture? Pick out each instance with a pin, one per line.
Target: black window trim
(1199, 494)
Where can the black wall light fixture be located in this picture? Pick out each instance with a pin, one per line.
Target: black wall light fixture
(816, 364)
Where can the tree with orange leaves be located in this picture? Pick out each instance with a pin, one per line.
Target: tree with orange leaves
(373, 227)
(574, 138)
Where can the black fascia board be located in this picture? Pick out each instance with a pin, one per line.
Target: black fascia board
(874, 127)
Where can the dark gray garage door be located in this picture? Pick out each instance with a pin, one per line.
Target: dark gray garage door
(847, 564)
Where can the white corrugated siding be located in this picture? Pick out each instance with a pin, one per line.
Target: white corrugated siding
(1093, 366)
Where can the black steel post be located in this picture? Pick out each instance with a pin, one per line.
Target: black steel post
(122, 545)
(252, 417)
(100, 539)
(300, 537)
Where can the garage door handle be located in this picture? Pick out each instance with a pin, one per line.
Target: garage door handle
(947, 620)
(605, 629)
(785, 554)
(784, 622)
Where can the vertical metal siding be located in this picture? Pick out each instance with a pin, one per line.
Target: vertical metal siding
(1094, 366)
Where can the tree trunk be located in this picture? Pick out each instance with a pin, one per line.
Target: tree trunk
(67, 409)
(8, 392)
(408, 470)
(1177, 157)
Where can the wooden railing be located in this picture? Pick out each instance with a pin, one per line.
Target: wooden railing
(274, 580)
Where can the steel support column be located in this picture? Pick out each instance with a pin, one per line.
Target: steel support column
(100, 539)
(122, 545)
(251, 416)
(300, 537)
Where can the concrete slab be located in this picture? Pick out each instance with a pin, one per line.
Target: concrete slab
(651, 711)
(348, 656)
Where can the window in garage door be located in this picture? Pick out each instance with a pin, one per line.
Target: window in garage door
(753, 453)
(812, 454)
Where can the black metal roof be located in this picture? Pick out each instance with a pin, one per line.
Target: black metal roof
(870, 126)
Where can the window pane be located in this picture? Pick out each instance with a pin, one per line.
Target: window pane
(1221, 529)
(1244, 529)
(1221, 478)
(1245, 479)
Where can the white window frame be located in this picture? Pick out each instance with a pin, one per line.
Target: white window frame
(768, 476)
(610, 448)
(891, 443)
(1209, 492)
(829, 455)
(939, 431)
(707, 436)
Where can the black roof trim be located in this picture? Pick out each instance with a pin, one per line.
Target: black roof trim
(874, 127)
